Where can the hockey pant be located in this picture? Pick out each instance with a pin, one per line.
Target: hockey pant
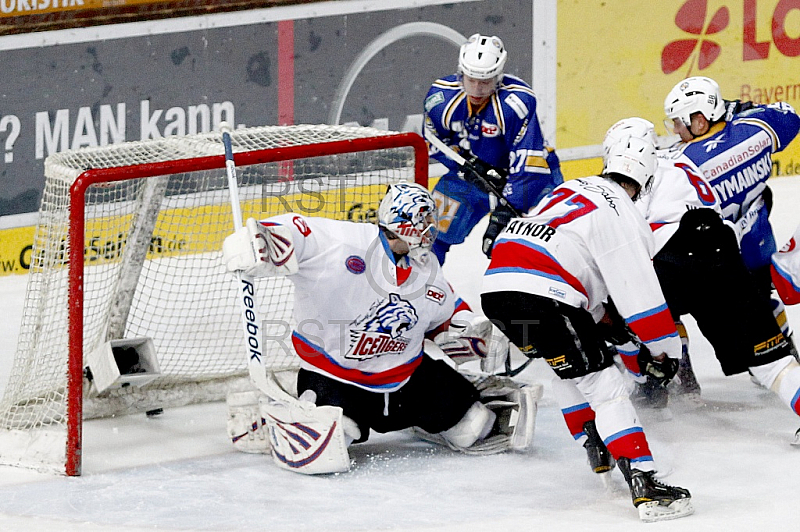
(701, 273)
(435, 398)
(590, 387)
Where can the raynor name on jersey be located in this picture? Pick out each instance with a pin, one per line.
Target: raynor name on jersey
(523, 228)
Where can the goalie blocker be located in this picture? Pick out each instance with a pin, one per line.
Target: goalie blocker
(310, 439)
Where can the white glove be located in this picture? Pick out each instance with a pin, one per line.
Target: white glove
(477, 338)
(260, 251)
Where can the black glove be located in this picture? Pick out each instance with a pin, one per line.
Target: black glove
(661, 371)
(479, 173)
(734, 107)
(498, 220)
(613, 327)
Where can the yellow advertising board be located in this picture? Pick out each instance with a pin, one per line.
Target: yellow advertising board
(619, 59)
(15, 8)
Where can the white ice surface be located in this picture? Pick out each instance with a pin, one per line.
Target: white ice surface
(178, 472)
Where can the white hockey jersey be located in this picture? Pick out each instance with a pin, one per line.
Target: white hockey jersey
(677, 187)
(361, 317)
(580, 245)
(786, 270)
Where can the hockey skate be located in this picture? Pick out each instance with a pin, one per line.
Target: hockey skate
(686, 382)
(651, 394)
(600, 460)
(654, 500)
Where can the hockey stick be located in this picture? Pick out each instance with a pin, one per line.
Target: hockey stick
(247, 290)
(454, 156)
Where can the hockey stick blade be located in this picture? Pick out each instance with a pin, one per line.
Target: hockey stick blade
(456, 157)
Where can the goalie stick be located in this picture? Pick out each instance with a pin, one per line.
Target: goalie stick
(251, 322)
(457, 158)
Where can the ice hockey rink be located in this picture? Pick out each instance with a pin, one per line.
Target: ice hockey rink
(178, 472)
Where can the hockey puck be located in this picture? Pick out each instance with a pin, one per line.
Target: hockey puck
(154, 412)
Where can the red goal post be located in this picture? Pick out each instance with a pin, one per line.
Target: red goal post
(130, 248)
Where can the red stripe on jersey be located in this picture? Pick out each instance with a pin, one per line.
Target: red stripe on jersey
(655, 326)
(383, 379)
(510, 254)
(657, 225)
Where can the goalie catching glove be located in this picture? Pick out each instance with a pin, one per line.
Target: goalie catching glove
(474, 337)
(260, 250)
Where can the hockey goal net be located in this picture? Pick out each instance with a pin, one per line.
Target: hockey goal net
(128, 246)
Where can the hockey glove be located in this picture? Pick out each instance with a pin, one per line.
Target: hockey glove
(483, 175)
(662, 371)
(734, 107)
(260, 250)
(497, 222)
(614, 329)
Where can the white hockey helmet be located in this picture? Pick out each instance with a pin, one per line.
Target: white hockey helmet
(697, 94)
(629, 127)
(408, 212)
(482, 57)
(633, 158)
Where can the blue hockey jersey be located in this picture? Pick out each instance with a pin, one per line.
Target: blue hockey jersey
(735, 157)
(505, 133)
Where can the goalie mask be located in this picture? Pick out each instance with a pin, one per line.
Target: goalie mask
(697, 94)
(408, 212)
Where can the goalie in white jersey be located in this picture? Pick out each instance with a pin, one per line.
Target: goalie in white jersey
(551, 273)
(366, 298)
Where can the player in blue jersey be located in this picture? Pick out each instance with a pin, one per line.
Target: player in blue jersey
(734, 152)
(732, 145)
(489, 118)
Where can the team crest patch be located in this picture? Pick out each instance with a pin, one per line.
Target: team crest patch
(382, 330)
(355, 264)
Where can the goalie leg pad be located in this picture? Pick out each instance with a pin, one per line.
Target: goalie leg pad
(306, 440)
(246, 427)
(475, 425)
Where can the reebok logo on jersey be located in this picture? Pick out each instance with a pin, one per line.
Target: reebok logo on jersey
(711, 145)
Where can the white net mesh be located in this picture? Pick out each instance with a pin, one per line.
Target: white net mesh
(152, 268)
